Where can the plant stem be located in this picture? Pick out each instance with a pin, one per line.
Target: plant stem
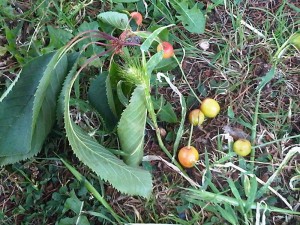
(253, 132)
(92, 190)
(157, 130)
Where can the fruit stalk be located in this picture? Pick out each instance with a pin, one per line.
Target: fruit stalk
(157, 130)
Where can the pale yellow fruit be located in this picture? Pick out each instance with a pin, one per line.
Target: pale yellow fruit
(242, 147)
(210, 107)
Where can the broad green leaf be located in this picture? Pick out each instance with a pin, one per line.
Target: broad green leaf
(98, 98)
(27, 113)
(115, 19)
(72, 203)
(192, 19)
(58, 37)
(167, 114)
(131, 128)
(129, 180)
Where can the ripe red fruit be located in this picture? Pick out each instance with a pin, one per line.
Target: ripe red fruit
(137, 17)
(188, 156)
(167, 48)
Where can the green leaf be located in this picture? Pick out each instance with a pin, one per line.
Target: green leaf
(72, 203)
(27, 113)
(192, 19)
(154, 61)
(82, 220)
(151, 37)
(231, 218)
(167, 114)
(115, 19)
(129, 180)
(58, 37)
(167, 64)
(98, 98)
(266, 79)
(131, 128)
(252, 193)
(92, 49)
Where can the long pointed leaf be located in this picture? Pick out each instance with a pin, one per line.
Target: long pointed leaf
(129, 180)
(131, 129)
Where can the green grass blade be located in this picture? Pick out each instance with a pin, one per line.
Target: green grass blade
(91, 189)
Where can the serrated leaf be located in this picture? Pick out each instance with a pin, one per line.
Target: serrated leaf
(115, 19)
(129, 180)
(192, 19)
(98, 98)
(131, 128)
(27, 113)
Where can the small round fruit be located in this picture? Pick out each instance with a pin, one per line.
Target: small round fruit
(188, 156)
(196, 117)
(167, 48)
(242, 147)
(137, 17)
(210, 107)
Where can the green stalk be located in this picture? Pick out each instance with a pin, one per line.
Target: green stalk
(153, 117)
(157, 130)
(253, 132)
(92, 190)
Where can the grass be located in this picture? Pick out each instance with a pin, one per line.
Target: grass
(243, 37)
